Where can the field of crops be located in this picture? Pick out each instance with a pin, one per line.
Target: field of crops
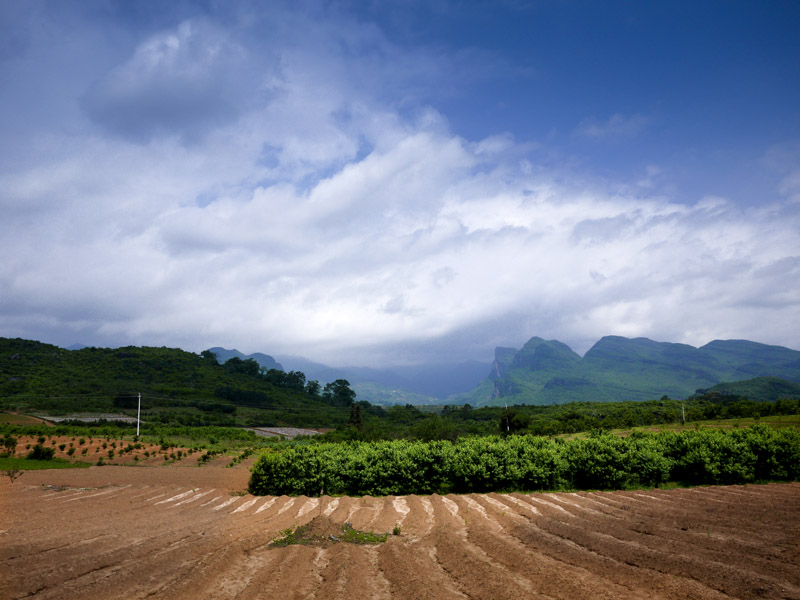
(529, 463)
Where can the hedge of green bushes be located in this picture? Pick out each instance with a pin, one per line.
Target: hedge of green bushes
(529, 463)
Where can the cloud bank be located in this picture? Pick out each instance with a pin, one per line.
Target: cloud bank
(228, 183)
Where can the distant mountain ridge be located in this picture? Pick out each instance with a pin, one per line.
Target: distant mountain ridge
(418, 384)
(618, 368)
(265, 360)
(550, 372)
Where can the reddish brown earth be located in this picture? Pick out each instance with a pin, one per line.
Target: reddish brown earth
(184, 532)
(113, 451)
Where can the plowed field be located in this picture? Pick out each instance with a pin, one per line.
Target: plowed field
(172, 532)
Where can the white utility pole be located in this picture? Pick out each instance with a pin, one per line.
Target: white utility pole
(138, 414)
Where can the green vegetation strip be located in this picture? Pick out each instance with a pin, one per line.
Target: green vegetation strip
(14, 419)
(320, 531)
(530, 463)
(27, 464)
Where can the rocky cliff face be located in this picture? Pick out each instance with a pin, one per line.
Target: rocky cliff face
(503, 358)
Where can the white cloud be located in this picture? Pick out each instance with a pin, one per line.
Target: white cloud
(325, 219)
(616, 126)
(411, 243)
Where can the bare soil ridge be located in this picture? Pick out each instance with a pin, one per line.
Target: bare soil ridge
(173, 532)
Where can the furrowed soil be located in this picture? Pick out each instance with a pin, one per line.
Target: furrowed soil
(114, 451)
(189, 532)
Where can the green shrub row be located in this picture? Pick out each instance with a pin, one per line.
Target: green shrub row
(529, 463)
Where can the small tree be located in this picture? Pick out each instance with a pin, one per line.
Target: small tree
(435, 427)
(12, 474)
(512, 421)
(313, 388)
(237, 365)
(39, 452)
(355, 419)
(10, 444)
(338, 393)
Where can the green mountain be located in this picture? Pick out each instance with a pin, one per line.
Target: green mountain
(177, 387)
(623, 369)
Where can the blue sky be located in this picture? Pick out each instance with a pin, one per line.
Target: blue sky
(385, 182)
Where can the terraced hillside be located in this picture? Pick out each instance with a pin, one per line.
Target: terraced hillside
(177, 532)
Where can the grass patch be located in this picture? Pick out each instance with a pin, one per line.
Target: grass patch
(15, 419)
(27, 464)
(321, 531)
(775, 421)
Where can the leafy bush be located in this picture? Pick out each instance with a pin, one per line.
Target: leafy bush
(486, 464)
(9, 443)
(39, 452)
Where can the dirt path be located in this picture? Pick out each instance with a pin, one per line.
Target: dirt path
(178, 532)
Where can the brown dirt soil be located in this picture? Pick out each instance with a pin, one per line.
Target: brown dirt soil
(185, 533)
(125, 452)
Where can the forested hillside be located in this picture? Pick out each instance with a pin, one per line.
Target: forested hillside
(176, 386)
(758, 389)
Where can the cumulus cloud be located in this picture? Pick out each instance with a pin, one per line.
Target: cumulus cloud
(310, 214)
(396, 247)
